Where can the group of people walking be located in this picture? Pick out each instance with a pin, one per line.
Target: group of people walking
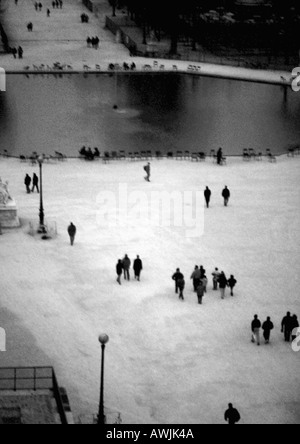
(57, 4)
(200, 282)
(17, 52)
(289, 326)
(34, 181)
(124, 265)
(225, 195)
(93, 42)
(89, 154)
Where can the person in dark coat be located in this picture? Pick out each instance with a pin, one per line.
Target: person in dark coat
(222, 284)
(232, 283)
(196, 276)
(137, 266)
(295, 327)
(202, 271)
(20, 52)
(267, 327)
(89, 42)
(226, 195)
(27, 182)
(220, 156)
(286, 327)
(200, 292)
(119, 269)
(14, 52)
(30, 27)
(207, 195)
(35, 183)
(48, 12)
(255, 327)
(147, 168)
(177, 276)
(126, 267)
(181, 287)
(72, 233)
(96, 152)
(232, 415)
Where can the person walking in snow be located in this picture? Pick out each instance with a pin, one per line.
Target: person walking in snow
(72, 233)
(295, 327)
(255, 327)
(207, 196)
(48, 12)
(232, 415)
(119, 269)
(202, 271)
(231, 284)
(286, 327)
(220, 156)
(126, 267)
(137, 266)
(200, 292)
(226, 195)
(147, 168)
(27, 183)
(204, 281)
(215, 275)
(267, 327)
(20, 52)
(177, 276)
(222, 284)
(181, 287)
(35, 183)
(196, 276)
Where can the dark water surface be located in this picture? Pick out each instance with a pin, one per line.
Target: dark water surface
(167, 112)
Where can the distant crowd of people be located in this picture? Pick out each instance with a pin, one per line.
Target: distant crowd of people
(200, 282)
(17, 52)
(289, 326)
(84, 18)
(93, 42)
(88, 154)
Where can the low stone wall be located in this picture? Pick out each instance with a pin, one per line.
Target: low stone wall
(9, 216)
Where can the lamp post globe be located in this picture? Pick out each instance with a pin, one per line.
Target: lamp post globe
(103, 339)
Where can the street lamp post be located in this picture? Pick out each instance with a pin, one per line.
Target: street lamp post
(42, 213)
(103, 339)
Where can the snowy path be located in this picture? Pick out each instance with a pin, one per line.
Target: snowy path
(167, 361)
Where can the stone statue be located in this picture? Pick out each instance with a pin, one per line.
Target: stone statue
(4, 193)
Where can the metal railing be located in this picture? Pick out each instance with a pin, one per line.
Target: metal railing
(33, 378)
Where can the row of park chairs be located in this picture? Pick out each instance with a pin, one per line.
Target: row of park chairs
(33, 158)
(250, 154)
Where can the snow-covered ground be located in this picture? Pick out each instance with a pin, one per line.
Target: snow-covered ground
(167, 361)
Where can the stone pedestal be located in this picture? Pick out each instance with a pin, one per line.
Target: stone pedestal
(9, 215)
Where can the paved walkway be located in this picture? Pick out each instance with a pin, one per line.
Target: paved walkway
(62, 38)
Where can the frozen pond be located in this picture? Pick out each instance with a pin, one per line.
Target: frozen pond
(158, 113)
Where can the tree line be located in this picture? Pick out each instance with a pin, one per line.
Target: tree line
(184, 20)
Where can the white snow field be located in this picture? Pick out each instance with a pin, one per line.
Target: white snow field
(167, 361)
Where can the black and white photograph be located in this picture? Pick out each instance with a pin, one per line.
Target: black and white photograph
(149, 215)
